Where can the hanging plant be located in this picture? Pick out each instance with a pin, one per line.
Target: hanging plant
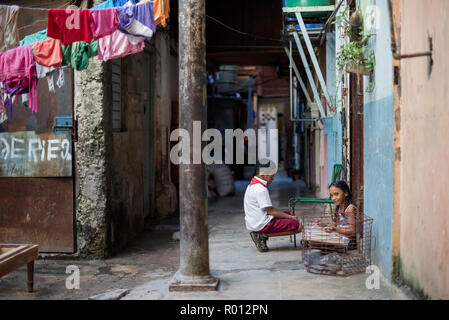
(355, 56)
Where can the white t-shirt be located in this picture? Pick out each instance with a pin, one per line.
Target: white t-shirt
(256, 200)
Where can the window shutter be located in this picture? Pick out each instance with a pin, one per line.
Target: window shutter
(116, 95)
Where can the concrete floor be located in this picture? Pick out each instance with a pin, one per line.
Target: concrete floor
(149, 263)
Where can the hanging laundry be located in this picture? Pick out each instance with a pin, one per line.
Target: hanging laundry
(3, 116)
(104, 5)
(121, 3)
(137, 20)
(3, 97)
(48, 53)
(35, 37)
(113, 3)
(48, 73)
(104, 22)
(25, 99)
(118, 45)
(9, 34)
(161, 11)
(51, 83)
(133, 39)
(69, 26)
(43, 71)
(12, 92)
(18, 72)
(60, 81)
(77, 54)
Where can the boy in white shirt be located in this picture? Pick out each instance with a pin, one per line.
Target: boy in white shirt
(261, 217)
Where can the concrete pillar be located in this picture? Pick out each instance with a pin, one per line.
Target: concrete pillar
(91, 162)
(193, 273)
(91, 157)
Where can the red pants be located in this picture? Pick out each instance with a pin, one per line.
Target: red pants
(280, 225)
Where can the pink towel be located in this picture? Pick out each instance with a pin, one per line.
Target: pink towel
(104, 22)
(17, 67)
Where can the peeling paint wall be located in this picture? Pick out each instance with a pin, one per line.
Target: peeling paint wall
(424, 152)
(378, 138)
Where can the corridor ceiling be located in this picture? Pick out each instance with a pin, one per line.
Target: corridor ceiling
(244, 32)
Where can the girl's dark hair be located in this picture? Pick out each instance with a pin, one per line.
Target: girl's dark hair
(343, 186)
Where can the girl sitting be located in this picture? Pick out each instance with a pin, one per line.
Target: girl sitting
(345, 216)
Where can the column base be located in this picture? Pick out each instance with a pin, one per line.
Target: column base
(181, 283)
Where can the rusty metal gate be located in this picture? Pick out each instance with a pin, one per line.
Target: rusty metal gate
(36, 168)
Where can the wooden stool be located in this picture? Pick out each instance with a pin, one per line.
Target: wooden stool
(288, 233)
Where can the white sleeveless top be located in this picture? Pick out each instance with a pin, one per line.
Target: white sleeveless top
(342, 217)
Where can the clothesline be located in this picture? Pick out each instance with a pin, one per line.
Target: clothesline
(102, 32)
(33, 8)
(47, 9)
(30, 8)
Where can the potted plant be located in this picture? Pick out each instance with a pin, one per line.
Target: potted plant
(355, 56)
(356, 59)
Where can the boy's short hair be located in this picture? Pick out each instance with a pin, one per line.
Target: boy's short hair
(266, 167)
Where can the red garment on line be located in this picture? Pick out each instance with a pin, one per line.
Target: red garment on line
(69, 25)
(48, 53)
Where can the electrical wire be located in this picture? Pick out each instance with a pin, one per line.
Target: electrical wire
(32, 24)
(24, 8)
(241, 32)
(35, 8)
(253, 85)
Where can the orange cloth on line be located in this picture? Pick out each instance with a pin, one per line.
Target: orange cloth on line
(48, 53)
(161, 11)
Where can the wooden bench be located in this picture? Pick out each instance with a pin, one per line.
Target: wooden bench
(14, 256)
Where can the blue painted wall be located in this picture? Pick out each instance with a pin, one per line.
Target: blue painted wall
(378, 178)
(332, 127)
(378, 140)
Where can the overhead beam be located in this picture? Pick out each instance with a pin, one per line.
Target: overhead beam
(313, 58)
(309, 74)
(308, 9)
(298, 75)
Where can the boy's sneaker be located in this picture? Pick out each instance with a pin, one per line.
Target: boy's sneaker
(260, 241)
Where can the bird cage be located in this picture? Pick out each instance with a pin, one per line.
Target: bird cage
(331, 253)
